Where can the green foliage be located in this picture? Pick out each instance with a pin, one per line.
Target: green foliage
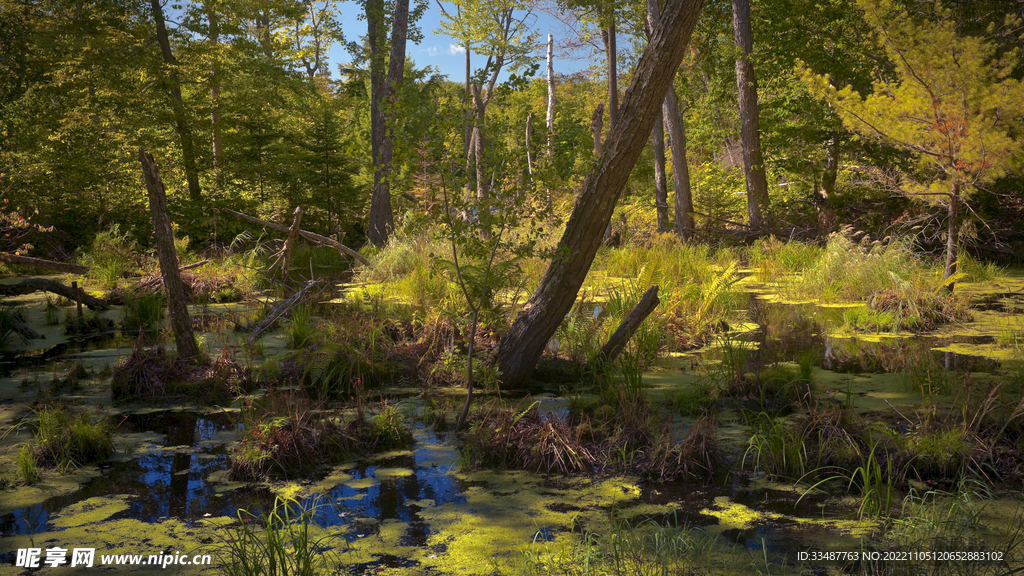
(28, 472)
(301, 328)
(67, 439)
(647, 548)
(282, 541)
(718, 196)
(353, 354)
(112, 255)
(976, 271)
(143, 313)
(890, 273)
(388, 428)
(774, 259)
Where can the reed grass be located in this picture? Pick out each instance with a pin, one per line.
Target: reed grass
(285, 540)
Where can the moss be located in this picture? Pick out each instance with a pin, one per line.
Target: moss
(392, 473)
(91, 511)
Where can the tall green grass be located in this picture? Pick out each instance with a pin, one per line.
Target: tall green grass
(66, 439)
(111, 256)
(647, 549)
(285, 540)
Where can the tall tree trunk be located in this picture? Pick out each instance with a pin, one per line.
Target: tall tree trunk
(215, 128)
(188, 156)
(540, 316)
(479, 148)
(683, 205)
(610, 54)
(529, 145)
(550, 124)
(377, 230)
(680, 169)
(952, 235)
(382, 220)
(469, 107)
(746, 85)
(660, 179)
(177, 307)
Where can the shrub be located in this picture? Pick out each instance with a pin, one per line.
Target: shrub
(111, 256)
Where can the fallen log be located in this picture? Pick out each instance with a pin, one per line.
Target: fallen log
(633, 320)
(309, 290)
(44, 264)
(23, 329)
(311, 236)
(193, 265)
(46, 285)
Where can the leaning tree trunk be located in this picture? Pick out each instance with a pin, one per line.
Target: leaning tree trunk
(382, 219)
(181, 323)
(188, 155)
(660, 178)
(540, 316)
(746, 85)
(952, 235)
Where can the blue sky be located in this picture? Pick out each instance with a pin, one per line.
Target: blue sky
(441, 52)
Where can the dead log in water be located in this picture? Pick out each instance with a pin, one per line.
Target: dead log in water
(43, 264)
(308, 291)
(618, 340)
(311, 236)
(46, 285)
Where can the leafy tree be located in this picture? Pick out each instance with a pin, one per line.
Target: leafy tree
(950, 100)
(497, 28)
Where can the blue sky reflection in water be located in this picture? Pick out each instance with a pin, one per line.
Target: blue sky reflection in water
(172, 482)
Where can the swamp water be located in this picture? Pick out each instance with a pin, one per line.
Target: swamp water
(414, 512)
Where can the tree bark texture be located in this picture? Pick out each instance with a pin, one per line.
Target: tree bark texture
(177, 307)
(746, 85)
(608, 35)
(311, 236)
(683, 205)
(289, 243)
(382, 219)
(660, 178)
(550, 119)
(540, 316)
(618, 340)
(680, 169)
(46, 285)
(188, 155)
(377, 226)
(596, 125)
